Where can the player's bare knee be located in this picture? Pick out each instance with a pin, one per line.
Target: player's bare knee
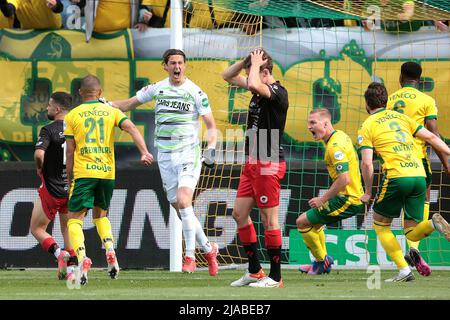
(33, 230)
(184, 198)
(184, 203)
(302, 222)
(37, 229)
(271, 226)
(35, 226)
(239, 217)
(235, 215)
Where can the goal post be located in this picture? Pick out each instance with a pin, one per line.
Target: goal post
(175, 226)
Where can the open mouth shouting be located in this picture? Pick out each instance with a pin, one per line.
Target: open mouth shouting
(314, 134)
(177, 74)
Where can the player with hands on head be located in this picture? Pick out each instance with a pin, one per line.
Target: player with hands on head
(265, 167)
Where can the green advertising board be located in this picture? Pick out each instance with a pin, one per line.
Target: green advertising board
(354, 248)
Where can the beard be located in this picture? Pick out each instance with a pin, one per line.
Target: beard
(50, 117)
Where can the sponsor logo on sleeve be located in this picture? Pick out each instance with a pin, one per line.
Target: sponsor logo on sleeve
(360, 139)
(338, 155)
(205, 103)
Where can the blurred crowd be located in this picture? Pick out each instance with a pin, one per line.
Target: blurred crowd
(106, 15)
(113, 15)
(403, 10)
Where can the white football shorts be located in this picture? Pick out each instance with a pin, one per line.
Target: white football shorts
(179, 169)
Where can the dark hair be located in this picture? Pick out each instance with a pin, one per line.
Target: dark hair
(411, 70)
(173, 52)
(376, 96)
(268, 65)
(62, 99)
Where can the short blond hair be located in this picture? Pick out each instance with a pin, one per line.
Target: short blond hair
(323, 113)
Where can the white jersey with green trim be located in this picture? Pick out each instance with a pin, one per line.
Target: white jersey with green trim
(177, 111)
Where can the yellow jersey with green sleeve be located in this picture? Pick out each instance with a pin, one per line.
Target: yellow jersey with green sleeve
(341, 157)
(91, 125)
(391, 135)
(416, 105)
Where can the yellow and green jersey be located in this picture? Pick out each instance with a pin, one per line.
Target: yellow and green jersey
(391, 135)
(91, 125)
(416, 105)
(340, 157)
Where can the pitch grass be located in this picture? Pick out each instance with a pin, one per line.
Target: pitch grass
(162, 285)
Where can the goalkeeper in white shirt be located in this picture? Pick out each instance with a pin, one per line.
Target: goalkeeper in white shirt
(179, 103)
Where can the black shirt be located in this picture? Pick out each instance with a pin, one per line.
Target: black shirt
(51, 140)
(265, 124)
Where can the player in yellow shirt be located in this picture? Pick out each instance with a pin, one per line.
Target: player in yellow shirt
(341, 201)
(391, 135)
(89, 131)
(421, 108)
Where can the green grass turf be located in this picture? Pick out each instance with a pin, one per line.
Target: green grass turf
(161, 284)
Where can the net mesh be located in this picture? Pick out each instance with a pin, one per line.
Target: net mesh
(325, 56)
(335, 9)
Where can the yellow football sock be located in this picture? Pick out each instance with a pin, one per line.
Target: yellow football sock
(76, 237)
(312, 240)
(322, 239)
(104, 231)
(426, 211)
(426, 214)
(390, 244)
(422, 230)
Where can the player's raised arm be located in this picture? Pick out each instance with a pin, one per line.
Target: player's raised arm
(431, 125)
(259, 68)
(436, 142)
(146, 156)
(126, 105)
(233, 77)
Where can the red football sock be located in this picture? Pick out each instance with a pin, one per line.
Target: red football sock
(273, 243)
(247, 234)
(48, 243)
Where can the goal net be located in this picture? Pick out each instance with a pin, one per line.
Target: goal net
(325, 53)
